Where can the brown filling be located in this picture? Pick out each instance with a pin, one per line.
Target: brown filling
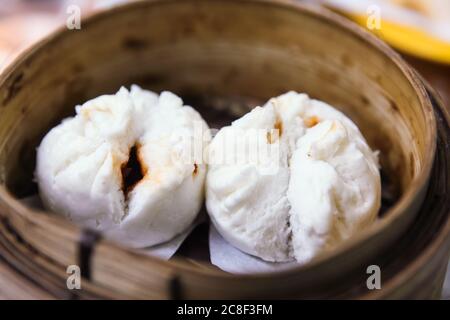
(275, 132)
(311, 121)
(194, 173)
(279, 126)
(132, 171)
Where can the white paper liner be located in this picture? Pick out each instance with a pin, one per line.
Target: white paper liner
(167, 249)
(232, 260)
(163, 251)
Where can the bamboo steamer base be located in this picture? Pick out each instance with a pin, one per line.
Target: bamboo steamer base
(412, 269)
(200, 51)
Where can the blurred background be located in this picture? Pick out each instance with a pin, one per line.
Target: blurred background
(418, 29)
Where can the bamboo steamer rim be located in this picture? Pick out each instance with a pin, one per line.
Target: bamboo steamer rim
(325, 16)
(443, 236)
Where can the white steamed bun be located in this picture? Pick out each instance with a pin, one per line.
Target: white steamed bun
(299, 192)
(124, 166)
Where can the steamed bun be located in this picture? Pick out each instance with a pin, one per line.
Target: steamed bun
(291, 179)
(124, 165)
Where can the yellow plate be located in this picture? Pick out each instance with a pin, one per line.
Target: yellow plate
(410, 40)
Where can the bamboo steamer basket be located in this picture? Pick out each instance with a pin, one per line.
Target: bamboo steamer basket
(225, 56)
